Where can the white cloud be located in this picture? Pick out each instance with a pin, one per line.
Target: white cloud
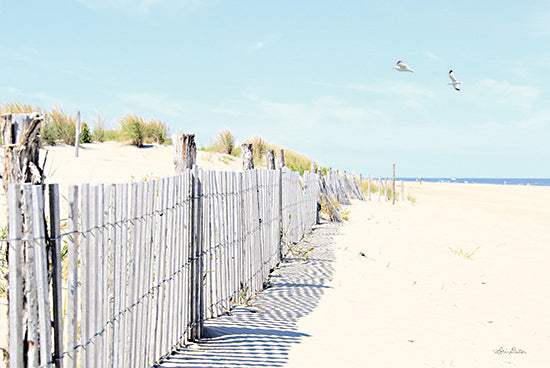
(9, 94)
(432, 56)
(22, 53)
(143, 8)
(323, 113)
(540, 117)
(157, 103)
(506, 93)
(351, 86)
(261, 44)
(539, 20)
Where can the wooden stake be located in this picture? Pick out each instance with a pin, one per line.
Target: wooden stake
(77, 134)
(248, 156)
(270, 159)
(281, 158)
(185, 151)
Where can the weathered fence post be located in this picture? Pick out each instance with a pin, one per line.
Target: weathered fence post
(248, 156)
(281, 158)
(21, 141)
(313, 167)
(185, 151)
(77, 133)
(270, 159)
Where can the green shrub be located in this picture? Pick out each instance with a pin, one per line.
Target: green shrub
(59, 127)
(133, 128)
(85, 134)
(224, 143)
(156, 132)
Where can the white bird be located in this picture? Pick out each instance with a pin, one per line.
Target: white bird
(456, 84)
(402, 67)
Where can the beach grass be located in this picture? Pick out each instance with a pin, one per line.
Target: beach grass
(465, 254)
(225, 143)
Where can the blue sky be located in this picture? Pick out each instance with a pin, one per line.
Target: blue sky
(314, 76)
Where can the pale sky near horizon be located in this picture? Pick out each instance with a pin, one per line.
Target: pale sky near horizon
(314, 76)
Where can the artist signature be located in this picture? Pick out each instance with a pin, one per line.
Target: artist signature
(512, 350)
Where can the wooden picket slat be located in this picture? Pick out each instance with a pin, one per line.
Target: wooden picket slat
(15, 259)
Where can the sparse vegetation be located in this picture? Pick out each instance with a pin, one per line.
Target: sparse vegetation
(99, 132)
(132, 128)
(461, 253)
(59, 127)
(300, 249)
(224, 143)
(156, 132)
(343, 212)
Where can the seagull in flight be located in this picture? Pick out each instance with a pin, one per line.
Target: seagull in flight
(402, 67)
(456, 84)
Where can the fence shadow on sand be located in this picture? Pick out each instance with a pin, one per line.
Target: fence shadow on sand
(261, 333)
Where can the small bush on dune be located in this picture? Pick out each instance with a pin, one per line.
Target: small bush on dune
(225, 142)
(85, 134)
(133, 129)
(137, 130)
(58, 127)
(156, 132)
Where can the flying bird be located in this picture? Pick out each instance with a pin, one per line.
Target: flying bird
(402, 67)
(456, 84)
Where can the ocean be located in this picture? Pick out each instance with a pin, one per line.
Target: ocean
(501, 181)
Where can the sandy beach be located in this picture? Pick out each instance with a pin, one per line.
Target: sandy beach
(413, 299)
(457, 279)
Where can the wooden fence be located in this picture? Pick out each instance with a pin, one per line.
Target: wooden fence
(144, 264)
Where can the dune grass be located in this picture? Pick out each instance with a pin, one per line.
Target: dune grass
(137, 131)
(225, 143)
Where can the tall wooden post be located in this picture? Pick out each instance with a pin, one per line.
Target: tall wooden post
(313, 167)
(270, 159)
(78, 129)
(248, 156)
(281, 158)
(21, 141)
(185, 151)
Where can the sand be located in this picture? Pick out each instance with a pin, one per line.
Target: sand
(399, 293)
(413, 301)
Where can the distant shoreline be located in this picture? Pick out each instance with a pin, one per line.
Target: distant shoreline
(499, 181)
